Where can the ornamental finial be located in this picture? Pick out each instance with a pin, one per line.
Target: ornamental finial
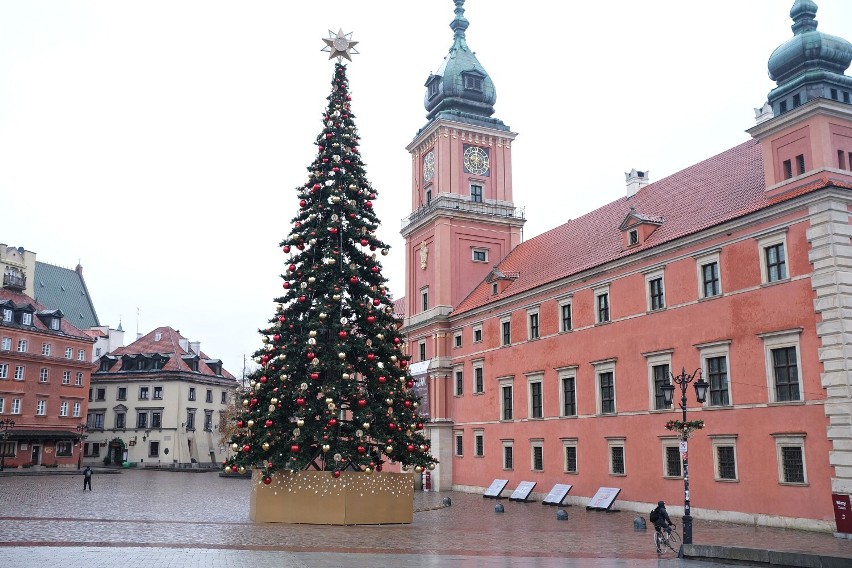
(340, 45)
(460, 23)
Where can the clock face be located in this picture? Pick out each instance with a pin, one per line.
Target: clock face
(428, 165)
(475, 160)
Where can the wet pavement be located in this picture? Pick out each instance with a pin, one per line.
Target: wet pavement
(158, 518)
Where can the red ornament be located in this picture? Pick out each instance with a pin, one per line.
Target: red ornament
(370, 356)
(328, 135)
(314, 376)
(303, 203)
(368, 205)
(371, 319)
(376, 302)
(264, 359)
(294, 448)
(332, 422)
(397, 340)
(263, 379)
(286, 248)
(321, 148)
(410, 447)
(361, 450)
(382, 379)
(282, 319)
(336, 474)
(267, 480)
(419, 425)
(362, 403)
(353, 280)
(336, 169)
(407, 404)
(253, 402)
(342, 334)
(276, 337)
(292, 268)
(325, 160)
(333, 230)
(269, 423)
(391, 426)
(372, 196)
(317, 187)
(374, 269)
(300, 246)
(364, 242)
(379, 467)
(300, 401)
(410, 384)
(303, 299)
(311, 356)
(298, 224)
(286, 285)
(403, 364)
(240, 424)
(246, 448)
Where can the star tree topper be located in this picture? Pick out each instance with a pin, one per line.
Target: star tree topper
(340, 45)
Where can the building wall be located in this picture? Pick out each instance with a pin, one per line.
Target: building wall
(742, 322)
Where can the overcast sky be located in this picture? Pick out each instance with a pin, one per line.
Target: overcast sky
(160, 143)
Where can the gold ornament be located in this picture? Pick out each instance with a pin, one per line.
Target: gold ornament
(336, 297)
(300, 422)
(323, 315)
(312, 280)
(326, 447)
(235, 447)
(271, 408)
(346, 376)
(418, 469)
(359, 433)
(368, 470)
(393, 358)
(242, 470)
(388, 450)
(431, 466)
(380, 336)
(340, 356)
(312, 333)
(265, 446)
(273, 400)
(250, 423)
(389, 401)
(366, 425)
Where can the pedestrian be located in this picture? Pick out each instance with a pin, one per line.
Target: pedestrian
(87, 478)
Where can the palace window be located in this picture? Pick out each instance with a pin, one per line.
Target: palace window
(569, 447)
(506, 398)
(508, 454)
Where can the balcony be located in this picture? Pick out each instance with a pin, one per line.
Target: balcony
(15, 282)
(458, 204)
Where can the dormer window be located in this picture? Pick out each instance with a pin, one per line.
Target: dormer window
(472, 82)
(27, 318)
(433, 86)
(7, 315)
(54, 324)
(633, 237)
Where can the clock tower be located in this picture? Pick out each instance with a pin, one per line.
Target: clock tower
(463, 219)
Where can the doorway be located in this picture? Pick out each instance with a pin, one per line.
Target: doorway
(35, 456)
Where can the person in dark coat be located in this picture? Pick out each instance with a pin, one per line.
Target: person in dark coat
(87, 478)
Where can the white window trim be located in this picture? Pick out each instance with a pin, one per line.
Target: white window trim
(532, 379)
(458, 369)
(43, 375)
(566, 302)
(570, 443)
(41, 407)
(778, 340)
(700, 263)
(724, 440)
(652, 360)
(536, 443)
(76, 410)
(63, 408)
(562, 374)
(424, 294)
(614, 443)
(665, 443)
(457, 340)
(4, 370)
(507, 444)
(45, 349)
(658, 273)
(69, 353)
(23, 372)
(27, 318)
(605, 366)
(475, 250)
(478, 433)
(709, 351)
(421, 350)
(768, 241)
(790, 440)
(503, 320)
(530, 313)
(456, 436)
(7, 344)
(600, 291)
(473, 330)
(506, 382)
(478, 364)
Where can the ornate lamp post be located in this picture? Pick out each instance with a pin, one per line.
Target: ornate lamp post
(81, 427)
(6, 424)
(683, 380)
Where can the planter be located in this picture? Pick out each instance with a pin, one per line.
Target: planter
(316, 497)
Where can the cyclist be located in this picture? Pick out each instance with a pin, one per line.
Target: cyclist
(661, 520)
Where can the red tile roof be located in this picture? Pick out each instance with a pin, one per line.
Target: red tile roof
(714, 191)
(20, 299)
(169, 343)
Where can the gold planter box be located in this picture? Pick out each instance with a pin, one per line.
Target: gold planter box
(317, 498)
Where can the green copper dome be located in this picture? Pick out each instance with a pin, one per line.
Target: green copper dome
(461, 89)
(810, 64)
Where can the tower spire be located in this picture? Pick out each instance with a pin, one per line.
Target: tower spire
(459, 23)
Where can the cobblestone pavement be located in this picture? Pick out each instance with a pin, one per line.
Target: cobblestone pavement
(200, 519)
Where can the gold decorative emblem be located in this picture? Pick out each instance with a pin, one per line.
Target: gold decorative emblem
(340, 45)
(475, 160)
(428, 165)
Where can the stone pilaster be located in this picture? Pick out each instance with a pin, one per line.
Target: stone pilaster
(831, 255)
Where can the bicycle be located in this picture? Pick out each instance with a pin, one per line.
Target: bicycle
(667, 539)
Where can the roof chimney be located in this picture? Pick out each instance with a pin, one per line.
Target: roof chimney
(636, 180)
(195, 347)
(184, 343)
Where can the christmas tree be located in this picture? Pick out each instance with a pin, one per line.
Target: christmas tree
(333, 391)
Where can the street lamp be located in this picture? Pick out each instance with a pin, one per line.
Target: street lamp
(6, 424)
(81, 427)
(701, 386)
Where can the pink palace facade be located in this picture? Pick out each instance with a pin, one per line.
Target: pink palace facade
(546, 357)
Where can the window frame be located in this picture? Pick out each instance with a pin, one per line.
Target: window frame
(44, 375)
(724, 441)
(477, 194)
(715, 350)
(506, 383)
(481, 252)
(536, 446)
(782, 340)
(700, 263)
(476, 333)
(563, 375)
(458, 443)
(69, 353)
(667, 444)
(612, 444)
(478, 376)
(506, 331)
(479, 443)
(533, 324)
(457, 340)
(571, 443)
(63, 408)
(46, 349)
(763, 244)
(508, 451)
(602, 292)
(424, 299)
(604, 367)
(653, 360)
(23, 345)
(458, 378)
(655, 291)
(6, 344)
(791, 440)
(566, 303)
(535, 382)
